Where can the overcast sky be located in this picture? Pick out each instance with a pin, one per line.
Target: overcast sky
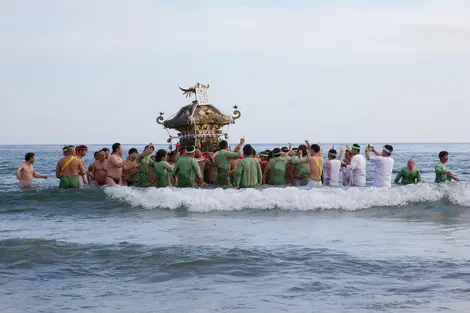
(331, 71)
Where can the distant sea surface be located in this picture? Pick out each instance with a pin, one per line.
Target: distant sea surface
(119, 249)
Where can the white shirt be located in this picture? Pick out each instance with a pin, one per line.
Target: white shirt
(358, 168)
(331, 172)
(347, 177)
(383, 171)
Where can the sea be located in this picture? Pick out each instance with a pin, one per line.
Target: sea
(275, 249)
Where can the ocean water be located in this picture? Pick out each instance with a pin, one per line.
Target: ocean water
(119, 249)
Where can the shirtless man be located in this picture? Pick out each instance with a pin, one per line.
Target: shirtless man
(316, 165)
(69, 169)
(106, 150)
(100, 169)
(25, 172)
(130, 168)
(80, 153)
(91, 166)
(115, 164)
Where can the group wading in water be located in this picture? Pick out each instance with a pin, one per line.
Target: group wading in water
(241, 168)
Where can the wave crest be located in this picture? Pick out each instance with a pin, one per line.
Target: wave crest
(289, 198)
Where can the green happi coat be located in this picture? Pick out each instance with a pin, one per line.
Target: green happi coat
(142, 177)
(278, 169)
(186, 170)
(304, 171)
(408, 177)
(441, 176)
(248, 174)
(222, 162)
(163, 170)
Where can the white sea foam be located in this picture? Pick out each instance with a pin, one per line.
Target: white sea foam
(289, 198)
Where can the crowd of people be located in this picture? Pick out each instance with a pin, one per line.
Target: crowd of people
(241, 168)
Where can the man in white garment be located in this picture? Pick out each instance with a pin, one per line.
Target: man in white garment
(331, 168)
(357, 166)
(383, 166)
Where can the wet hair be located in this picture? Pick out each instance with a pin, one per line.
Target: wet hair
(223, 144)
(303, 148)
(116, 146)
(96, 154)
(276, 152)
(443, 154)
(160, 155)
(247, 150)
(133, 150)
(315, 148)
(389, 148)
(285, 149)
(28, 156)
(147, 147)
(105, 150)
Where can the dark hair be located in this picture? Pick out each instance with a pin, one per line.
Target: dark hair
(253, 153)
(160, 155)
(303, 148)
(270, 154)
(315, 148)
(133, 150)
(28, 156)
(105, 149)
(247, 150)
(96, 154)
(333, 151)
(223, 144)
(276, 152)
(285, 149)
(147, 147)
(355, 145)
(443, 154)
(116, 146)
(389, 148)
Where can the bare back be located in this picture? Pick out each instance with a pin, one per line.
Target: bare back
(74, 168)
(316, 165)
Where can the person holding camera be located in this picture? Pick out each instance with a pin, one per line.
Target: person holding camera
(383, 165)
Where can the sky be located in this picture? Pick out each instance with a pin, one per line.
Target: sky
(330, 71)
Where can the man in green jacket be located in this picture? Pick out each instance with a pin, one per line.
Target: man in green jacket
(442, 174)
(222, 162)
(187, 169)
(248, 174)
(409, 175)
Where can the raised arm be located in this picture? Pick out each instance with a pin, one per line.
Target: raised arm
(239, 146)
(341, 152)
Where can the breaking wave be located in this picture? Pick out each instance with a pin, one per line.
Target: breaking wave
(289, 198)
